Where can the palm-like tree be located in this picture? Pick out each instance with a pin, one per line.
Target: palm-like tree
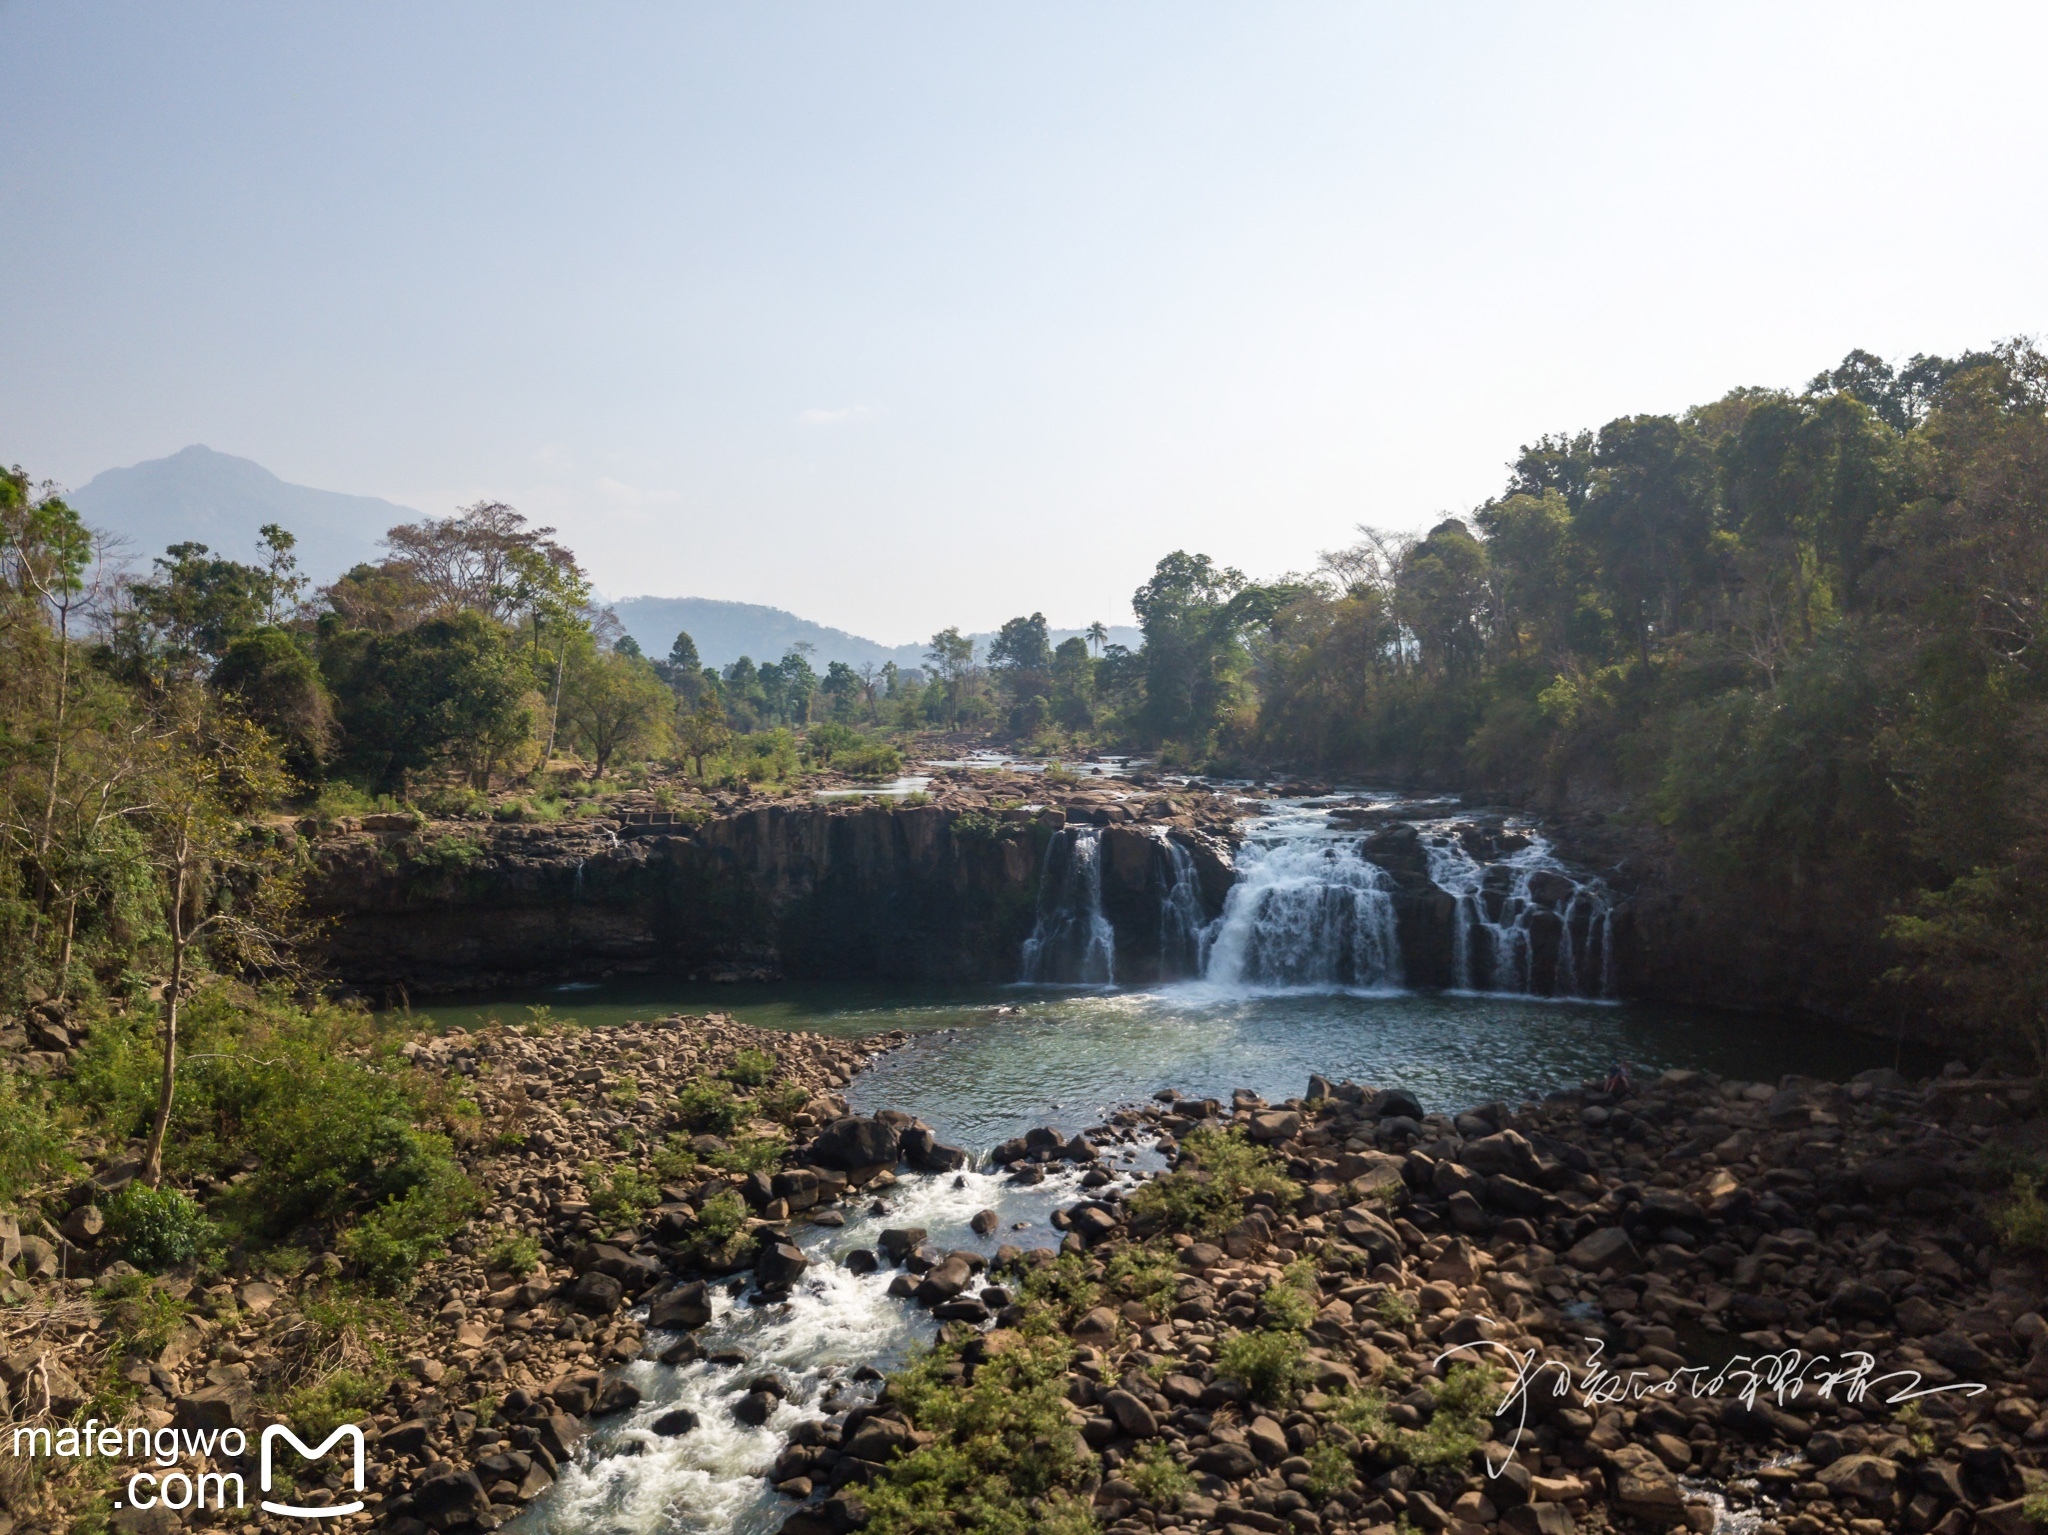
(1098, 635)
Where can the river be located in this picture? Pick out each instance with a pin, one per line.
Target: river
(1299, 974)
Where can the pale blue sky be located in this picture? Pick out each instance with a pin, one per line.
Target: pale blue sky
(904, 315)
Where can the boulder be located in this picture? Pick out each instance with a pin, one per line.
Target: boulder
(853, 1142)
(230, 1404)
(1368, 1230)
(1132, 1415)
(877, 1439)
(780, 1265)
(944, 1280)
(448, 1492)
(1395, 1103)
(597, 1293)
(1232, 1462)
(1098, 1326)
(1870, 1480)
(1895, 1176)
(677, 1420)
(684, 1307)
(898, 1243)
(1274, 1125)
(1538, 1519)
(1608, 1248)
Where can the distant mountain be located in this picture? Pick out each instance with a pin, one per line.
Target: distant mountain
(725, 631)
(221, 501)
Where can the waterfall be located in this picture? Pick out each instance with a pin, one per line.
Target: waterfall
(1312, 910)
(1307, 910)
(1500, 910)
(1183, 925)
(1072, 940)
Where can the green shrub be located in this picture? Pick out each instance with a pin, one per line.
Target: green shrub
(976, 826)
(332, 1128)
(721, 1219)
(514, 1253)
(751, 1154)
(1145, 1272)
(2021, 1219)
(1460, 1423)
(144, 1317)
(870, 759)
(781, 1102)
(750, 1068)
(389, 1244)
(1394, 1308)
(1267, 1363)
(625, 1092)
(618, 1197)
(318, 1407)
(707, 1107)
(1162, 1480)
(675, 1162)
(444, 855)
(1217, 1173)
(1003, 1458)
(158, 1229)
(451, 803)
(1330, 1471)
(32, 1144)
(1064, 1289)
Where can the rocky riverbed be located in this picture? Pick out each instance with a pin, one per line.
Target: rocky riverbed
(1658, 1229)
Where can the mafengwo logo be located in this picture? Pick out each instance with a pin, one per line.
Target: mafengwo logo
(167, 1487)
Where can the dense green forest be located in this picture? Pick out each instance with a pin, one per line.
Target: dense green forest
(1792, 633)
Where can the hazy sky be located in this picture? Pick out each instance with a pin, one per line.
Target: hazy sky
(906, 315)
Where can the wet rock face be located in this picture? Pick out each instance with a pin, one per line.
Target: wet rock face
(841, 890)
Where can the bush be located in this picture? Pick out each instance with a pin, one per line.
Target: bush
(782, 1102)
(389, 1244)
(870, 759)
(2021, 1219)
(158, 1229)
(1063, 1288)
(750, 1068)
(32, 1146)
(619, 1197)
(751, 1154)
(1162, 1480)
(1330, 1471)
(455, 803)
(330, 1128)
(1003, 1459)
(1218, 1171)
(723, 1217)
(515, 1253)
(443, 855)
(1145, 1272)
(675, 1161)
(317, 1408)
(1268, 1363)
(709, 1108)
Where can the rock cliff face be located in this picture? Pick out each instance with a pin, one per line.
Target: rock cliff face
(842, 892)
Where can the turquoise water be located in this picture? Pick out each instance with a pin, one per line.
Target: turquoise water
(988, 1062)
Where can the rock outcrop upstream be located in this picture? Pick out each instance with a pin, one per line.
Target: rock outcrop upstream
(1074, 887)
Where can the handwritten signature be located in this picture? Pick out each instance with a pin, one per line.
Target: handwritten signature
(1783, 1376)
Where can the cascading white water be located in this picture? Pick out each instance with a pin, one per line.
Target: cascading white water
(1308, 910)
(1499, 908)
(1183, 925)
(1072, 940)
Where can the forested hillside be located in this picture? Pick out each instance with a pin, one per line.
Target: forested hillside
(1793, 639)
